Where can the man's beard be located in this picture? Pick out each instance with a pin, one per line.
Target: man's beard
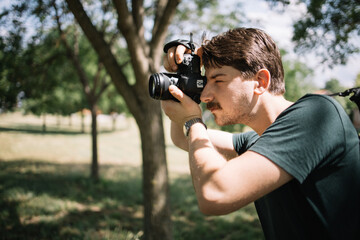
(225, 118)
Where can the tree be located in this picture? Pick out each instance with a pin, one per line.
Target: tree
(92, 92)
(297, 78)
(113, 104)
(328, 29)
(51, 67)
(110, 26)
(334, 86)
(50, 84)
(208, 16)
(144, 47)
(10, 57)
(357, 80)
(145, 58)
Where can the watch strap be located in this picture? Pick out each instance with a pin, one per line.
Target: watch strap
(191, 122)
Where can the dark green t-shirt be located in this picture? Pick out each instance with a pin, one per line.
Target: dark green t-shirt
(315, 142)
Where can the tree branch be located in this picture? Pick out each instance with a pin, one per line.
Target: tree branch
(97, 77)
(73, 56)
(104, 85)
(138, 15)
(159, 32)
(104, 52)
(160, 7)
(136, 43)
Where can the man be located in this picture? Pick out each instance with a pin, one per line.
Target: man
(300, 164)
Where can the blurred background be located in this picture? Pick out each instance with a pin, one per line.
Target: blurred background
(85, 153)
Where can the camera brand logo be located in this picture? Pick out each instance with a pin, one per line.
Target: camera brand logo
(173, 80)
(200, 83)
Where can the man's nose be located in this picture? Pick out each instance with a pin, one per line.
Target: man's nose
(206, 95)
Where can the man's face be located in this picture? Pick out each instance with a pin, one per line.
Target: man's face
(228, 96)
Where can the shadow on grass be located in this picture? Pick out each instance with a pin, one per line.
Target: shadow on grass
(37, 130)
(41, 200)
(190, 223)
(50, 131)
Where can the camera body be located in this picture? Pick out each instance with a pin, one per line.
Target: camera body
(188, 77)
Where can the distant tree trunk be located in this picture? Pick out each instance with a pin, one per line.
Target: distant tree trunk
(114, 116)
(58, 120)
(44, 122)
(70, 120)
(82, 122)
(95, 164)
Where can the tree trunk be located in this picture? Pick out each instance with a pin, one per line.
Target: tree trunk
(58, 120)
(157, 215)
(147, 112)
(44, 123)
(114, 117)
(70, 120)
(95, 164)
(82, 121)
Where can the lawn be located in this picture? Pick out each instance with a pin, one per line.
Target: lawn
(45, 191)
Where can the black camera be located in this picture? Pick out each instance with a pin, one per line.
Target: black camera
(188, 77)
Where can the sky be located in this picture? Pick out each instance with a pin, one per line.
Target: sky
(279, 26)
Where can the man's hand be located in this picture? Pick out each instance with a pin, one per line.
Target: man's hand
(175, 56)
(183, 111)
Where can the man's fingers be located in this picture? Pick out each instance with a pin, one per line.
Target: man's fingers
(199, 51)
(179, 53)
(176, 92)
(171, 60)
(167, 64)
(174, 56)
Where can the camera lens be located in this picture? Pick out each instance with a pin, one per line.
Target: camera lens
(153, 89)
(159, 85)
(154, 86)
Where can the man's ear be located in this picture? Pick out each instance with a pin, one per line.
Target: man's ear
(263, 78)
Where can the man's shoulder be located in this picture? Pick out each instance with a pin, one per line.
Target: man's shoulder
(316, 100)
(315, 107)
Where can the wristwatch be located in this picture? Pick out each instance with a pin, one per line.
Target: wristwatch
(191, 122)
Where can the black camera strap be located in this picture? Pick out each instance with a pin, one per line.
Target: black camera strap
(186, 43)
(354, 98)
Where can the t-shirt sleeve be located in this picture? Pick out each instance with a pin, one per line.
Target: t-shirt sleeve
(243, 141)
(304, 137)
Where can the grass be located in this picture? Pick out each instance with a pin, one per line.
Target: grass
(45, 191)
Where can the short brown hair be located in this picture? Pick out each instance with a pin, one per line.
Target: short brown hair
(248, 50)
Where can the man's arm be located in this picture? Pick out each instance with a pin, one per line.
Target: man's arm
(222, 141)
(225, 186)
(222, 186)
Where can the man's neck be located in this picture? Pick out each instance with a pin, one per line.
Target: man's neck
(268, 109)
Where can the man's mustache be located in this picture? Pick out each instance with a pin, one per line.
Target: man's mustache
(213, 106)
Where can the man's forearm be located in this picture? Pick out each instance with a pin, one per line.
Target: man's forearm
(204, 162)
(222, 141)
(178, 137)
(202, 151)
